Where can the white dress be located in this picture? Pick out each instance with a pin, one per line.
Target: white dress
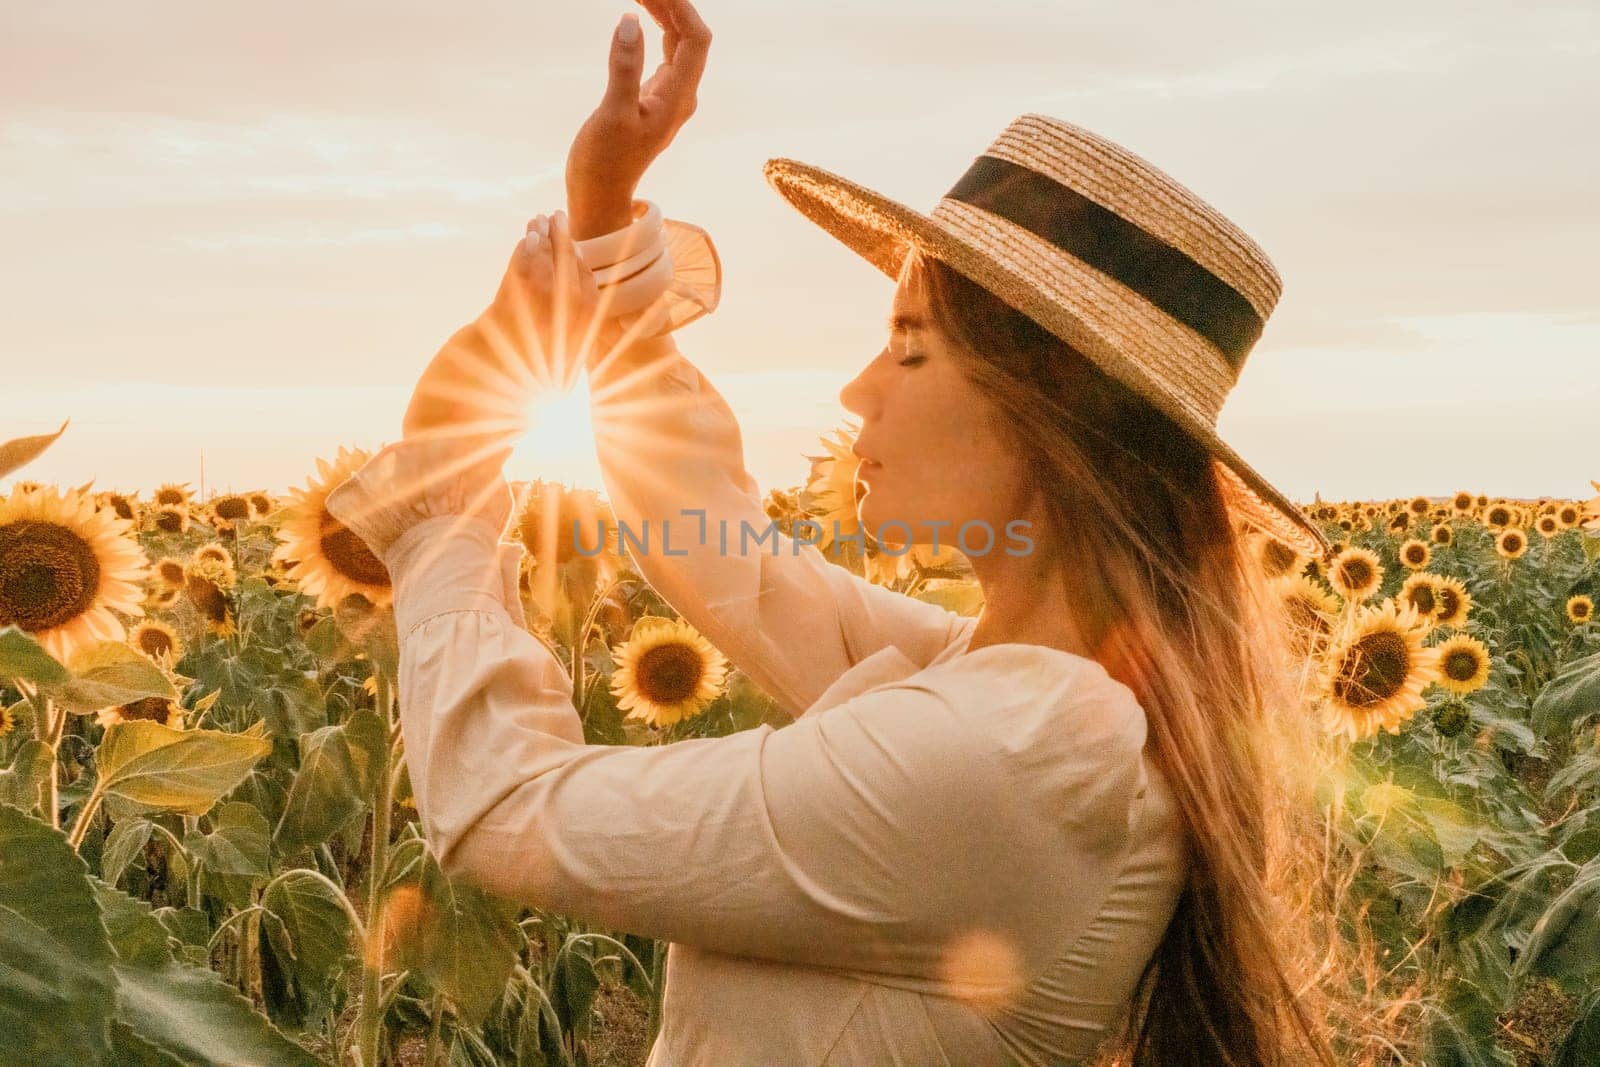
(950, 857)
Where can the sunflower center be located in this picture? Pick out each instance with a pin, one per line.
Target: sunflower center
(1277, 557)
(233, 507)
(151, 709)
(1512, 543)
(669, 673)
(1581, 610)
(1449, 602)
(1373, 670)
(1460, 665)
(169, 496)
(207, 598)
(1357, 573)
(48, 575)
(120, 505)
(154, 642)
(1422, 597)
(170, 520)
(348, 554)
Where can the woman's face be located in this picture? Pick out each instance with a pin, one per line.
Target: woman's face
(933, 448)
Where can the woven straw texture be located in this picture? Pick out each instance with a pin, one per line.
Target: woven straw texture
(1179, 371)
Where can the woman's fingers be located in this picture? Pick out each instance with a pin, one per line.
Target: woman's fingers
(626, 65)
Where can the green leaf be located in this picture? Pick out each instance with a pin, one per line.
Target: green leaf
(126, 840)
(234, 854)
(192, 1015)
(1565, 944)
(466, 942)
(1573, 693)
(149, 766)
(135, 933)
(22, 657)
(311, 931)
(335, 782)
(20, 782)
(106, 675)
(57, 992)
(20, 451)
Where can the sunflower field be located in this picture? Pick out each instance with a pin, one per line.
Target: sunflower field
(209, 851)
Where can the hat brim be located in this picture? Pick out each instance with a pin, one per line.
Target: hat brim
(882, 231)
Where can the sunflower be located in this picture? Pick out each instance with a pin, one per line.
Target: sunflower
(833, 488)
(1463, 664)
(1580, 609)
(170, 518)
(1443, 534)
(230, 510)
(570, 523)
(1415, 554)
(162, 597)
(666, 672)
(1421, 505)
(214, 551)
(66, 568)
(1400, 521)
(173, 494)
(8, 720)
(206, 584)
(1355, 573)
(1568, 515)
(1275, 558)
(1454, 601)
(1421, 591)
(1511, 543)
(331, 561)
(260, 505)
(168, 571)
(1547, 525)
(1462, 503)
(151, 709)
(1499, 515)
(157, 640)
(1377, 670)
(1309, 611)
(121, 505)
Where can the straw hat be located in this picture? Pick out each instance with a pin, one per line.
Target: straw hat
(1105, 251)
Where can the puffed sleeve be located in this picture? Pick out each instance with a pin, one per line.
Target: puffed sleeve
(672, 457)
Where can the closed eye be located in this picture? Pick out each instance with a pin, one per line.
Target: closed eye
(912, 361)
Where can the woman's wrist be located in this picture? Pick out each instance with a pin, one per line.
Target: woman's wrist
(597, 214)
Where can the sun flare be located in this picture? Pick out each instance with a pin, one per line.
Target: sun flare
(558, 444)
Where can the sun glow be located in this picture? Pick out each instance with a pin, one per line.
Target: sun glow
(559, 443)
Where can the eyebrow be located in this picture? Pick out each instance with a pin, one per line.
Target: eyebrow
(905, 321)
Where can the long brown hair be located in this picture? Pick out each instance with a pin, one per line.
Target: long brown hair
(1167, 595)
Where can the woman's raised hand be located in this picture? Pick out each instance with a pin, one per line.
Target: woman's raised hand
(528, 339)
(634, 123)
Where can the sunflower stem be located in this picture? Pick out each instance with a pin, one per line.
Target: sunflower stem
(370, 1024)
(55, 724)
(81, 826)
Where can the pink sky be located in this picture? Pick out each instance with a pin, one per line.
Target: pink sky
(245, 230)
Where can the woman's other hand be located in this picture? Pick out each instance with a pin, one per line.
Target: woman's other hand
(634, 123)
(481, 381)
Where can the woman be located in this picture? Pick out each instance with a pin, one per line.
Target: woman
(1021, 838)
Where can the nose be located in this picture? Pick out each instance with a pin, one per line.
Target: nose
(859, 396)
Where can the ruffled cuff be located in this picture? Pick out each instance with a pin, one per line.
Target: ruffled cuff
(433, 512)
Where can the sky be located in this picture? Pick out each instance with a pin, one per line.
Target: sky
(235, 235)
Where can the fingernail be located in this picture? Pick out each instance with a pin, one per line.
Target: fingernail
(530, 243)
(628, 31)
